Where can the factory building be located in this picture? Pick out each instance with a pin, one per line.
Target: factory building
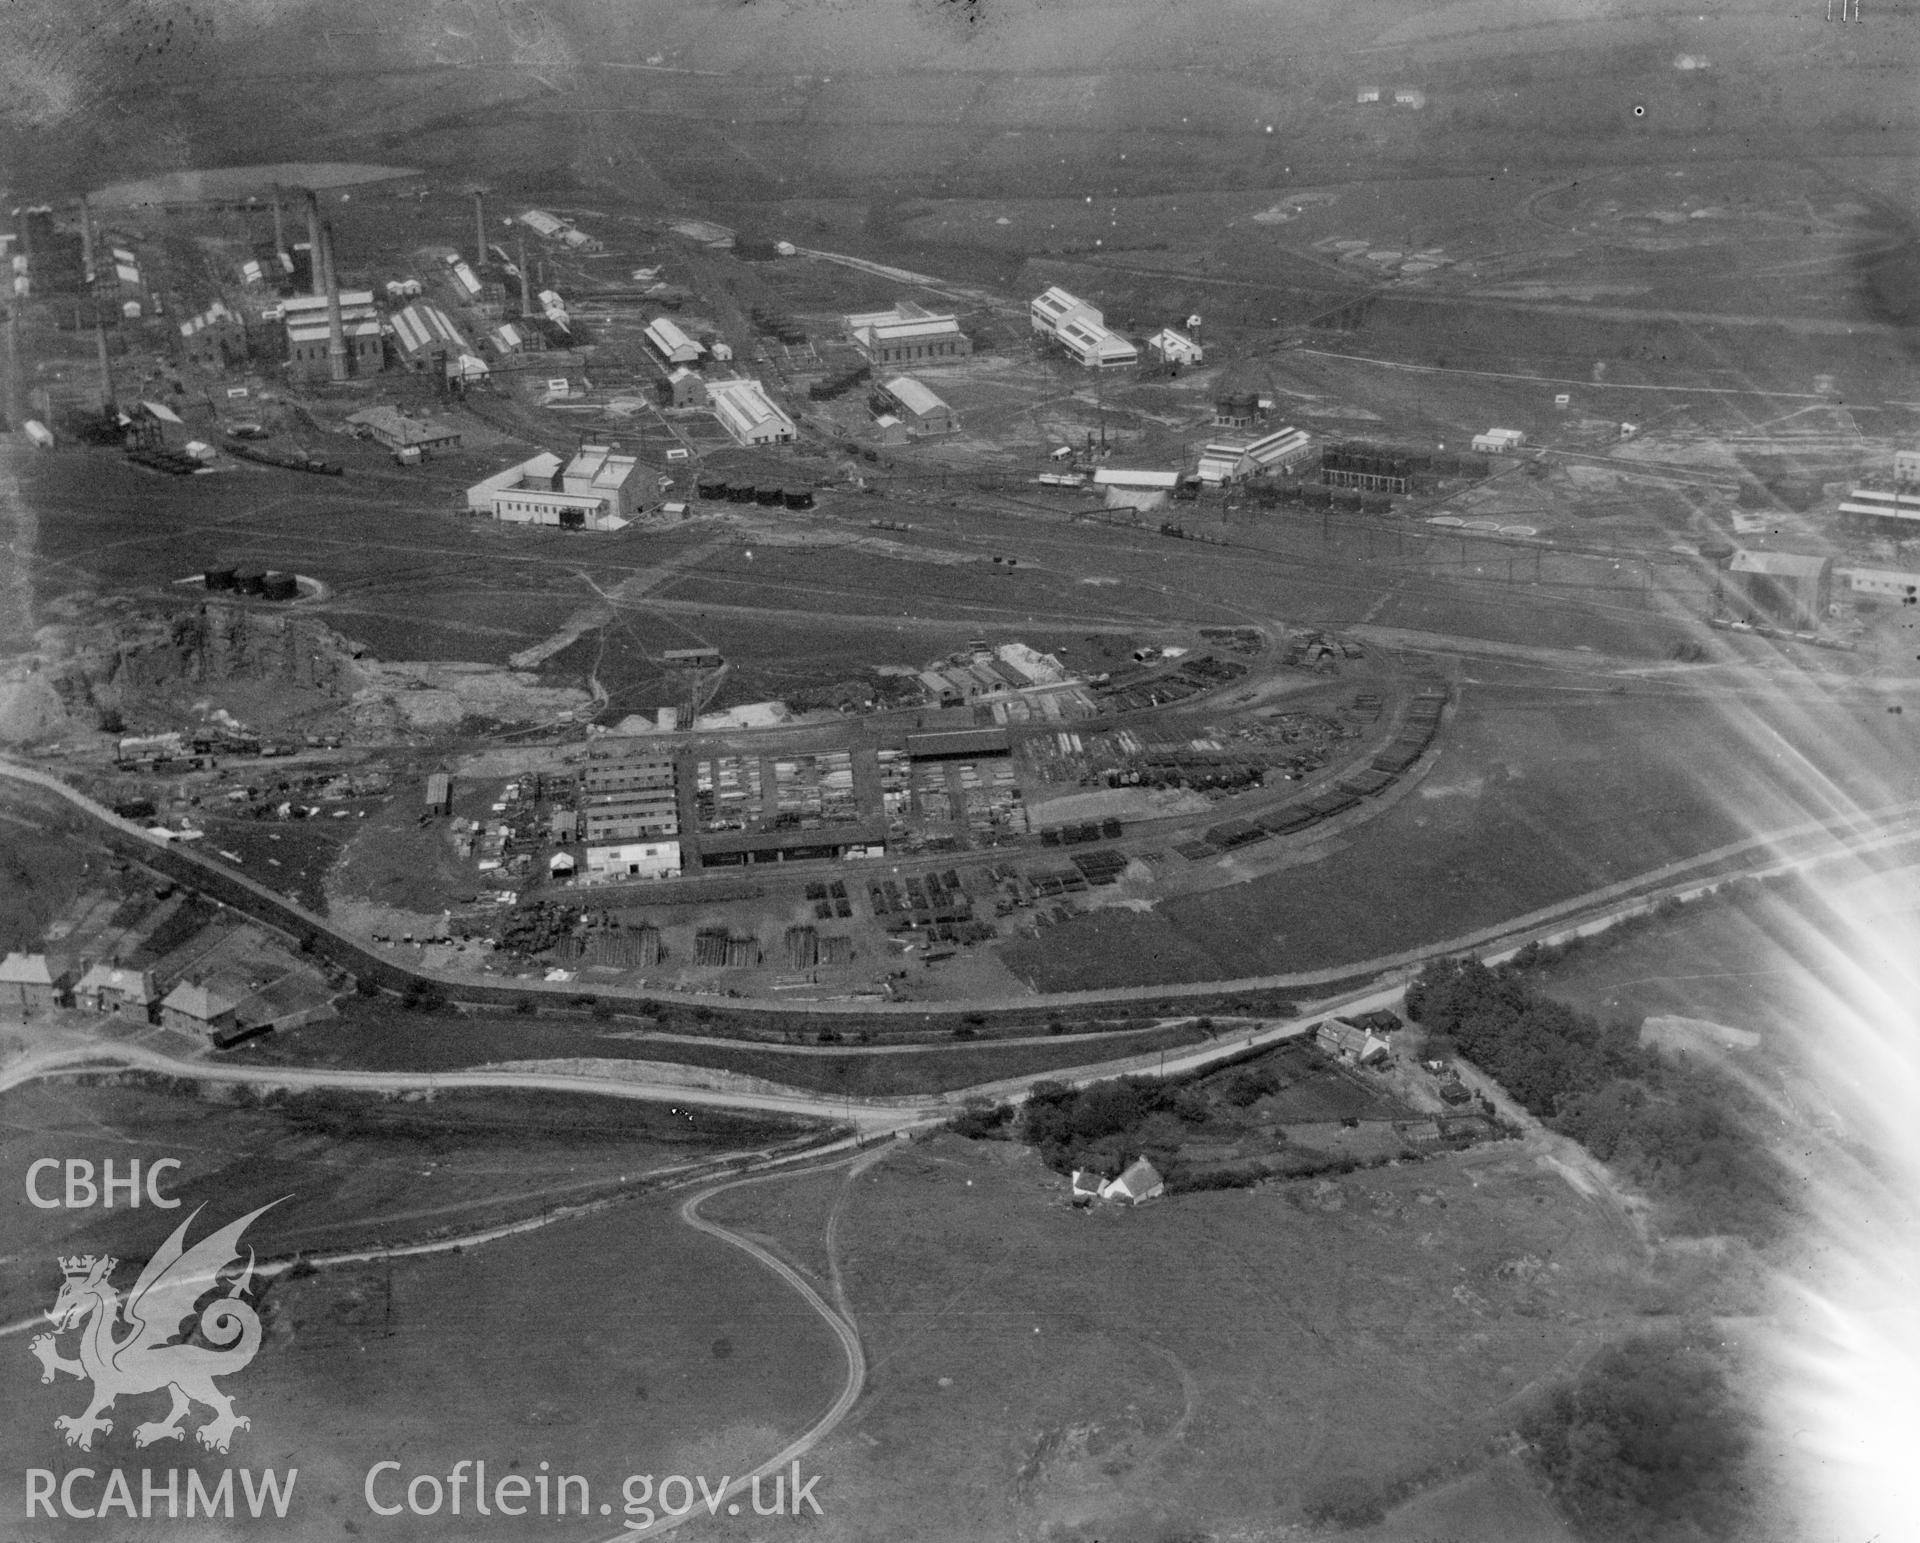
(422, 332)
(1081, 330)
(908, 334)
(671, 343)
(615, 864)
(1499, 441)
(215, 339)
(305, 320)
(1882, 583)
(1171, 347)
(1232, 459)
(1895, 514)
(1141, 490)
(394, 429)
(599, 489)
(747, 413)
(685, 388)
(1782, 588)
(919, 409)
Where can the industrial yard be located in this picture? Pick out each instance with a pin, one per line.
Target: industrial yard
(806, 704)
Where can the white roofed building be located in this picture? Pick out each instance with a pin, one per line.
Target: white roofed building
(1095, 345)
(747, 413)
(599, 489)
(1140, 490)
(672, 343)
(422, 331)
(921, 410)
(1175, 347)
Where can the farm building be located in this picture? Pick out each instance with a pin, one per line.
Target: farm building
(1782, 587)
(1175, 347)
(747, 413)
(394, 429)
(1081, 330)
(1349, 1041)
(599, 489)
(196, 1009)
(917, 407)
(32, 985)
(1136, 489)
(671, 343)
(908, 334)
(124, 993)
(306, 321)
(1499, 441)
(686, 389)
(1139, 1181)
(632, 860)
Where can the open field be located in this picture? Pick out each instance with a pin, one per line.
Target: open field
(1539, 793)
(1201, 1364)
(355, 1171)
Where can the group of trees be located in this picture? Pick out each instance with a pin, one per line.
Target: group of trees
(1649, 1443)
(1688, 1137)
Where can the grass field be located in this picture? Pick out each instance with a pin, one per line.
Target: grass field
(1199, 1366)
(1539, 793)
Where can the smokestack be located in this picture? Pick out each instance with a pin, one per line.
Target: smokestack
(336, 332)
(479, 228)
(86, 239)
(526, 280)
(279, 223)
(107, 393)
(314, 259)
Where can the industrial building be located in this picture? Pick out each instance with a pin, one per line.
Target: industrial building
(215, 339)
(1172, 347)
(1240, 410)
(1081, 330)
(685, 388)
(1882, 583)
(394, 429)
(1894, 514)
(1142, 490)
(1499, 441)
(1281, 453)
(616, 863)
(1782, 588)
(630, 798)
(908, 334)
(423, 332)
(308, 329)
(747, 413)
(599, 489)
(671, 343)
(919, 409)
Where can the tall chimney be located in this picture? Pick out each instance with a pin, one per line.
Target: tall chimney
(479, 228)
(526, 280)
(86, 239)
(336, 332)
(107, 393)
(314, 259)
(279, 224)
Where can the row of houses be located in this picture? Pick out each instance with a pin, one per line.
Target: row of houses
(35, 985)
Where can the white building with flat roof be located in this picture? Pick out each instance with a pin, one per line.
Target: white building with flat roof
(599, 489)
(632, 860)
(747, 413)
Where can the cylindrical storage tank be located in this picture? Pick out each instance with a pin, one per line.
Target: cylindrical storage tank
(218, 578)
(280, 586)
(249, 581)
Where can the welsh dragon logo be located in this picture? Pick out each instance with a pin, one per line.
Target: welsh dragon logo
(148, 1357)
